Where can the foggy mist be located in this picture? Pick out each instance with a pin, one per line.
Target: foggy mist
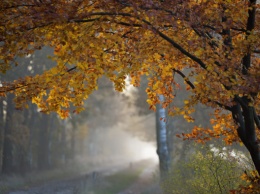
(116, 132)
(109, 136)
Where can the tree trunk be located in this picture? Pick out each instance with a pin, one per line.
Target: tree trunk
(51, 129)
(34, 116)
(63, 143)
(72, 139)
(43, 143)
(1, 131)
(243, 113)
(162, 144)
(244, 117)
(8, 147)
(22, 151)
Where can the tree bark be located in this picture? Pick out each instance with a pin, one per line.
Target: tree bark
(73, 139)
(34, 116)
(244, 118)
(8, 147)
(50, 139)
(243, 113)
(43, 143)
(1, 131)
(162, 140)
(63, 143)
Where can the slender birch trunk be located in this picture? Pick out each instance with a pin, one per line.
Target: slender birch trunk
(162, 143)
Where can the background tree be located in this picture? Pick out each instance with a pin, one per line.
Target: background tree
(7, 164)
(30, 140)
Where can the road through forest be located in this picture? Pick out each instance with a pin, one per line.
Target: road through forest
(84, 184)
(146, 182)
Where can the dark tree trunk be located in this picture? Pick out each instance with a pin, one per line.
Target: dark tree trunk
(1, 131)
(72, 149)
(51, 128)
(72, 141)
(22, 166)
(8, 147)
(63, 144)
(43, 142)
(243, 113)
(244, 117)
(23, 151)
(34, 115)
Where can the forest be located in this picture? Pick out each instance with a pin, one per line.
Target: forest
(93, 92)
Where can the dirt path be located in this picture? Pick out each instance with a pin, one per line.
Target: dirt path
(145, 183)
(82, 182)
(71, 185)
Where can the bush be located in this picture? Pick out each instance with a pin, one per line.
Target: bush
(209, 170)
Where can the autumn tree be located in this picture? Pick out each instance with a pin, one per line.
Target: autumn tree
(218, 41)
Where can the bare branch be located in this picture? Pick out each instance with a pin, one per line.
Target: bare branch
(257, 119)
(241, 102)
(193, 87)
(185, 78)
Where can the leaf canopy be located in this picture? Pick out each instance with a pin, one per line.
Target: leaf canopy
(205, 42)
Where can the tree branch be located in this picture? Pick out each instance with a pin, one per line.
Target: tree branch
(84, 20)
(176, 45)
(240, 101)
(71, 69)
(12, 88)
(184, 78)
(249, 27)
(193, 87)
(256, 118)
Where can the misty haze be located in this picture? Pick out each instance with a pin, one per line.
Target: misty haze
(129, 96)
(109, 148)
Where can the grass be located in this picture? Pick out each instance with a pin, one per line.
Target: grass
(119, 181)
